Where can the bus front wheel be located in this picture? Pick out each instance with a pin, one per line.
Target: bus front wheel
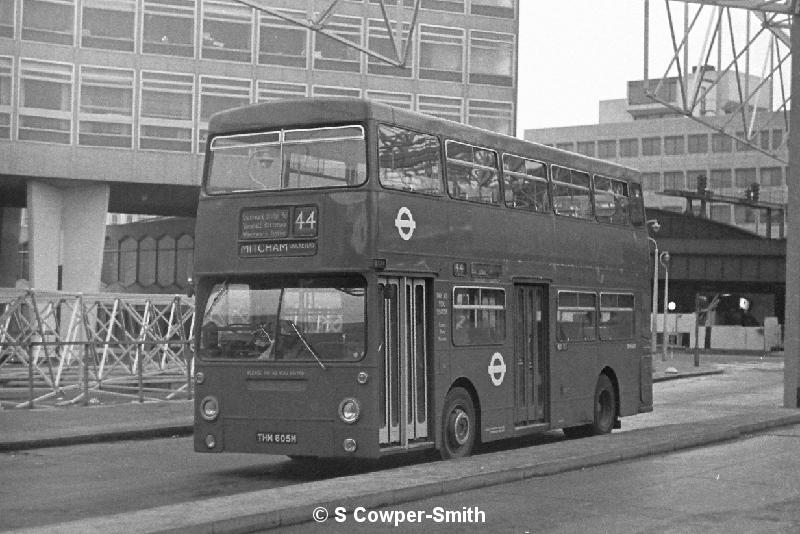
(605, 411)
(459, 424)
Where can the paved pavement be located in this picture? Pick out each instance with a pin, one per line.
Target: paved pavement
(22, 428)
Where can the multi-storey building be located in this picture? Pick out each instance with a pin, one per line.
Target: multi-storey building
(672, 151)
(115, 95)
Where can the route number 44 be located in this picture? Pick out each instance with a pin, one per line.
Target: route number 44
(305, 221)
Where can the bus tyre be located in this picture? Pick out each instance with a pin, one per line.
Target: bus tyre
(605, 406)
(459, 425)
(605, 412)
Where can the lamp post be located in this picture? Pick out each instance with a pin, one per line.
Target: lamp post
(663, 258)
(654, 309)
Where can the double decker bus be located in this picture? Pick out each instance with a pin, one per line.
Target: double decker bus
(371, 281)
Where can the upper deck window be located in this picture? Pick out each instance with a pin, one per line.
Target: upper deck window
(572, 193)
(287, 159)
(611, 200)
(525, 183)
(409, 161)
(472, 173)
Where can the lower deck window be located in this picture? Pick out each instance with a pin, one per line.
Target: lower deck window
(616, 316)
(479, 316)
(577, 313)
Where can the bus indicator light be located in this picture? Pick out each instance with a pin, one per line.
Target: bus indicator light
(363, 377)
(209, 408)
(349, 410)
(350, 445)
(211, 441)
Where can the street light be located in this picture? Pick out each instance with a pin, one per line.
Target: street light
(663, 258)
(654, 310)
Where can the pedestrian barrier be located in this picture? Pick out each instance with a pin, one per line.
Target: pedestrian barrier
(80, 348)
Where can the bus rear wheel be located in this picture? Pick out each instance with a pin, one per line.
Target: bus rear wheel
(459, 425)
(605, 411)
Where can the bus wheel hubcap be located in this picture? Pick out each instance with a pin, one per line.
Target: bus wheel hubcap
(460, 426)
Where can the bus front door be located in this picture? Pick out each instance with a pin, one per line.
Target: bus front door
(530, 347)
(405, 362)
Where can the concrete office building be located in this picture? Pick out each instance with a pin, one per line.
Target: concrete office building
(104, 106)
(672, 150)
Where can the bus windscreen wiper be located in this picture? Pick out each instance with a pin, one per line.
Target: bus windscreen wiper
(302, 338)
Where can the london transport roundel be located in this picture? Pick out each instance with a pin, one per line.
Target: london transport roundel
(405, 224)
(497, 369)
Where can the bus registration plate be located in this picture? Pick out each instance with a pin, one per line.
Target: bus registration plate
(284, 438)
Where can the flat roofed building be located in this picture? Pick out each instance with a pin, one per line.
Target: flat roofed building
(104, 104)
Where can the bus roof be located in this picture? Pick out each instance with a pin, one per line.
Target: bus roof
(315, 111)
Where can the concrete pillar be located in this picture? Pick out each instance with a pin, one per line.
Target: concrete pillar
(791, 372)
(9, 245)
(67, 229)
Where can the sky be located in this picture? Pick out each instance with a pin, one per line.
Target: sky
(574, 53)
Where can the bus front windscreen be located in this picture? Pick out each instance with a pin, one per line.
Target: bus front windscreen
(297, 320)
(287, 159)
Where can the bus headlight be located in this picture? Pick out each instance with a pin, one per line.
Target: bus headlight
(349, 410)
(209, 408)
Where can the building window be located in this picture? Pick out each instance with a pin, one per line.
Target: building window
(674, 145)
(282, 43)
(721, 143)
(772, 176)
(227, 29)
(184, 260)
(629, 148)
(494, 116)
(48, 21)
(218, 94)
(763, 136)
(586, 148)
(566, 146)
(745, 177)
(698, 144)
(777, 139)
(379, 41)
(444, 107)
(720, 179)
(105, 115)
(6, 78)
(167, 111)
(7, 18)
(720, 213)
(743, 147)
(744, 214)
(330, 54)
(651, 181)
(607, 148)
(266, 91)
(453, 6)
(168, 27)
(108, 24)
(165, 270)
(674, 180)
(493, 8)
(651, 146)
(346, 92)
(45, 111)
(491, 58)
(398, 100)
(441, 53)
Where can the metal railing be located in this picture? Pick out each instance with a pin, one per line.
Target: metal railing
(68, 348)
